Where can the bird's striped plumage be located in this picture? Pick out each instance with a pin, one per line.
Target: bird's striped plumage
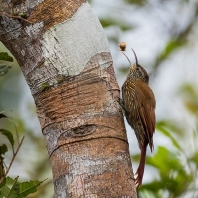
(139, 103)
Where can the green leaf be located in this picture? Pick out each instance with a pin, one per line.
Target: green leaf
(11, 189)
(26, 188)
(7, 134)
(4, 191)
(3, 149)
(9, 181)
(15, 189)
(4, 56)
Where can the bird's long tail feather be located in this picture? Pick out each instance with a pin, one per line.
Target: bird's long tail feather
(140, 170)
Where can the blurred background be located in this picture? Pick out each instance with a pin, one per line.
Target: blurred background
(163, 34)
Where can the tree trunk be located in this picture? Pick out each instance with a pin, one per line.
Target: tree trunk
(64, 55)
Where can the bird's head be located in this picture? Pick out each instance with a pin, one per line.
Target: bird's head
(137, 72)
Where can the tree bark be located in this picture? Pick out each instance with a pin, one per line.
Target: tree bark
(64, 56)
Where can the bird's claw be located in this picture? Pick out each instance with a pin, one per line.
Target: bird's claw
(121, 103)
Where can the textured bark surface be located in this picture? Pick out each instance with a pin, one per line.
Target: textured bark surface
(96, 168)
(75, 91)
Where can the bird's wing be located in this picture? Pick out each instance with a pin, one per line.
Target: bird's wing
(145, 105)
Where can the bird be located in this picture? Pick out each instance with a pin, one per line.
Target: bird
(138, 103)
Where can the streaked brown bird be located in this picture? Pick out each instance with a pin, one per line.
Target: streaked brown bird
(138, 103)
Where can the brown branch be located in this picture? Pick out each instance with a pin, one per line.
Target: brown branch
(14, 155)
(12, 160)
(15, 17)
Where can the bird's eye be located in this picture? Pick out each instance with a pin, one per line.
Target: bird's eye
(137, 68)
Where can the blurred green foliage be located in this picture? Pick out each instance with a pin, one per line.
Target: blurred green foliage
(109, 21)
(11, 187)
(177, 166)
(136, 2)
(190, 97)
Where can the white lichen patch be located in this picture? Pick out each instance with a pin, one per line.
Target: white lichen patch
(34, 29)
(68, 46)
(104, 63)
(12, 26)
(29, 4)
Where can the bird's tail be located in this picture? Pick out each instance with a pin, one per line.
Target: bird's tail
(140, 170)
